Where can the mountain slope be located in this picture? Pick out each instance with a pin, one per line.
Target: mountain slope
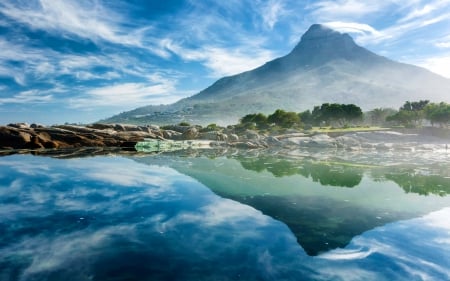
(326, 66)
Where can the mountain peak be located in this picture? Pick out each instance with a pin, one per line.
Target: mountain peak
(319, 31)
(321, 44)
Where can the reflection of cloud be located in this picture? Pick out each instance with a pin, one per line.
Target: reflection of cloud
(223, 211)
(414, 251)
(87, 219)
(157, 220)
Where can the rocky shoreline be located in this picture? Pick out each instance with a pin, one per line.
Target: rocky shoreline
(36, 137)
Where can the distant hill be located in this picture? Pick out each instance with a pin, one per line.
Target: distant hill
(326, 66)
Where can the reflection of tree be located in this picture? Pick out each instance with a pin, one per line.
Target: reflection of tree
(335, 175)
(412, 182)
(324, 173)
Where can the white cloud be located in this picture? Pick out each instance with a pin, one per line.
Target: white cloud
(437, 64)
(86, 19)
(127, 95)
(425, 10)
(225, 61)
(29, 96)
(271, 12)
(352, 27)
(344, 9)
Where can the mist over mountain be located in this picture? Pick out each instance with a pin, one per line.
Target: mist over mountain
(326, 66)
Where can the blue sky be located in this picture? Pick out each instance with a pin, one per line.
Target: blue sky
(83, 60)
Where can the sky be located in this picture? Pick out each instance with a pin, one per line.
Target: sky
(79, 61)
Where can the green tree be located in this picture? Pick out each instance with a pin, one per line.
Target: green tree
(410, 114)
(284, 119)
(259, 119)
(378, 116)
(306, 117)
(438, 113)
(339, 114)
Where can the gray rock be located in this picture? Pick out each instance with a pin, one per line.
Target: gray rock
(173, 135)
(233, 137)
(190, 134)
(252, 135)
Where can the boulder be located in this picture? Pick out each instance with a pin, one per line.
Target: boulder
(100, 126)
(14, 137)
(213, 135)
(19, 125)
(252, 135)
(190, 134)
(172, 135)
(233, 137)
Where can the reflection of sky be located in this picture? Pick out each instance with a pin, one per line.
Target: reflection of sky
(108, 217)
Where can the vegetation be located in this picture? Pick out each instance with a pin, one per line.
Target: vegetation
(410, 114)
(438, 113)
(339, 115)
(284, 119)
(335, 114)
(334, 117)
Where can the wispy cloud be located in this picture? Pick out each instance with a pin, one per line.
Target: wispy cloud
(344, 9)
(225, 61)
(271, 12)
(86, 19)
(420, 10)
(28, 97)
(156, 90)
(352, 27)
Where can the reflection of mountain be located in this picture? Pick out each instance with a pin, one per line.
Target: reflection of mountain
(298, 193)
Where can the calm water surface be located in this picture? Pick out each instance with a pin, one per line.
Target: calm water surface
(235, 217)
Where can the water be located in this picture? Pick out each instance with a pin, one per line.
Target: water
(221, 217)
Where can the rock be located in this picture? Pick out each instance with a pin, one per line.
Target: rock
(190, 134)
(14, 137)
(273, 141)
(252, 135)
(246, 145)
(178, 128)
(348, 142)
(153, 127)
(292, 135)
(119, 128)
(233, 137)
(19, 125)
(34, 126)
(213, 135)
(100, 126)
(323, 140)
(34, 143)
(145, 129)
(172, 135)
(384, 146)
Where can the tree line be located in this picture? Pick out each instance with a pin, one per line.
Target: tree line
(411, 114)
(327, 114)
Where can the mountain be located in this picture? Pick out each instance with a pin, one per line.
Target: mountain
(326, 66)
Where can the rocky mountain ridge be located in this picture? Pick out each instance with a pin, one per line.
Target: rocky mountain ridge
(326, 66)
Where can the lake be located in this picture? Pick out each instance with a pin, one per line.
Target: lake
(214, 215)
